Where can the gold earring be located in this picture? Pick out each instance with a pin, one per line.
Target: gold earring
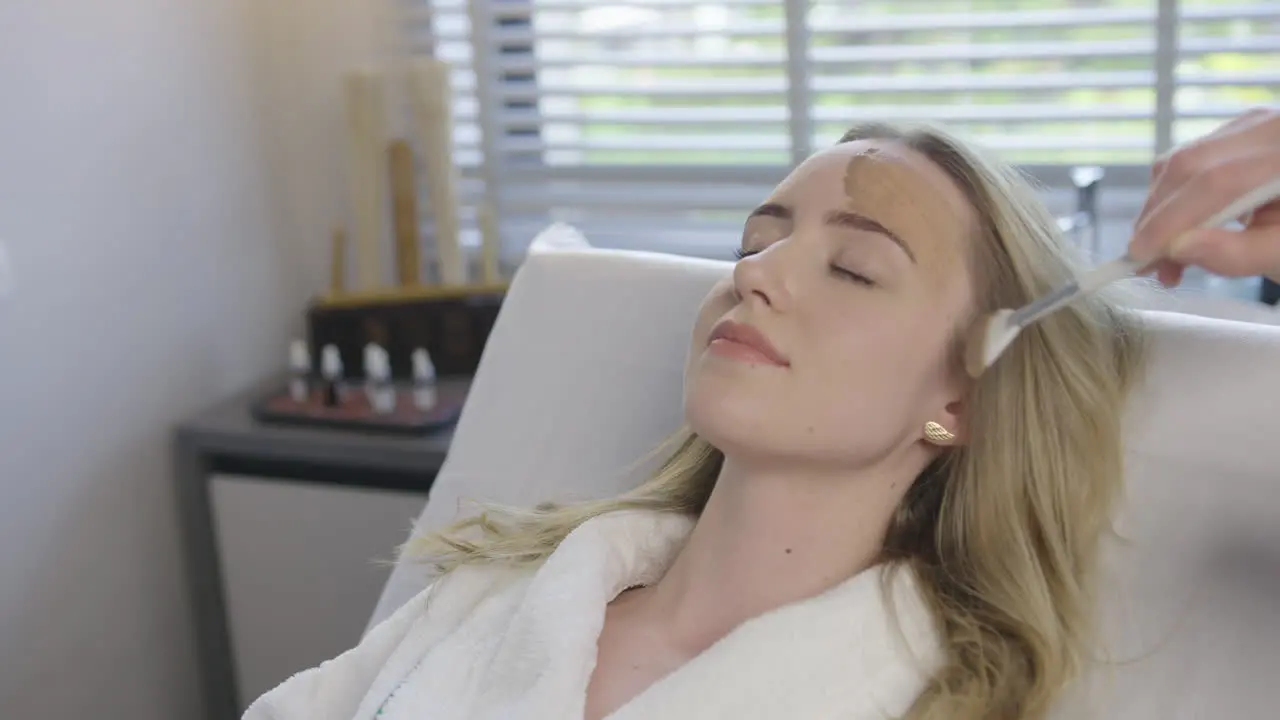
(937, 434)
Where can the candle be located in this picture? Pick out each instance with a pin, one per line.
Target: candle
(490, 245)
(367, 132)
(338, 264)
(431, 96)
(404, 213)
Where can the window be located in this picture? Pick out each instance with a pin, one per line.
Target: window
(656, 123)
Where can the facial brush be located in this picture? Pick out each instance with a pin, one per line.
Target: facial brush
(989, 337)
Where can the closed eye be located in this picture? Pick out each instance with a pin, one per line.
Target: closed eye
(852, 276)
(842, 273)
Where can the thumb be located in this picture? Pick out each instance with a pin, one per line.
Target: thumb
(1233, 253)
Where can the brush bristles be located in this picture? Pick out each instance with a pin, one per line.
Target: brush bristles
(986, 340)
(975, 347)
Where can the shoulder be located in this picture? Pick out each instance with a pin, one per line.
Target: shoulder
(449, 597)
(635, 543)
(453, 595)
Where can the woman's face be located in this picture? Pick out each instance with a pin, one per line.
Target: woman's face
(832, 342)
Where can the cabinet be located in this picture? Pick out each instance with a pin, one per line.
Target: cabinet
(303, 565)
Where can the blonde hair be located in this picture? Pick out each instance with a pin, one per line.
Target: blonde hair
(1003, 532)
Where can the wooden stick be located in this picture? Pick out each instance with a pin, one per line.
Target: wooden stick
(431, 96)
(367, 133)
(490, 245)
(396, 296)
(338, 264)
(404, 213)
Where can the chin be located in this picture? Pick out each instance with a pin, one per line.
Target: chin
(730, 408)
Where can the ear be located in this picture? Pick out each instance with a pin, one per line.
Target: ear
(948, 428)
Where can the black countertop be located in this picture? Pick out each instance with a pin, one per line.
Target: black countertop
(234, 441)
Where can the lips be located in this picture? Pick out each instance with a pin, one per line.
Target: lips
(746, 343)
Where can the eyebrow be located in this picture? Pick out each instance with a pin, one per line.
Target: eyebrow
(839, 218)
(857, 221)
(771, 210)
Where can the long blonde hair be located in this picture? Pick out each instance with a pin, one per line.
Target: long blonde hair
(1004, 532)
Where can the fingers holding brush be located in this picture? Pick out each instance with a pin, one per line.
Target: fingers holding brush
(1172, 223)
(1231, 174)
(1255, 250)
(1245, 135)
(1168, 272)
(1193, 186)
(1246, 252)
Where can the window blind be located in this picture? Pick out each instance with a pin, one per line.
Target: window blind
(1227, 60)
(657, 123)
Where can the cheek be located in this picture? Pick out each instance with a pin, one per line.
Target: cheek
(718, 302)
(875, 378)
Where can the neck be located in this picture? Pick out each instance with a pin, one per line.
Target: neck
(768, 538)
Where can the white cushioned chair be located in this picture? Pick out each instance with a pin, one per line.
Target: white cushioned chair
(582, 378)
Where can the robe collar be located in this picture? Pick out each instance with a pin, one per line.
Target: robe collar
(862, 650)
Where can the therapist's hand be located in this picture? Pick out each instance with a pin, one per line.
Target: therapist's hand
(1201, 178)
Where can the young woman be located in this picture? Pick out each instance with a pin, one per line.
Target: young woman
(850, 527)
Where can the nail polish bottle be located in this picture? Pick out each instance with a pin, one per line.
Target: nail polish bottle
(377, 380)
(299, 371)
(331, 372)
(424, 380)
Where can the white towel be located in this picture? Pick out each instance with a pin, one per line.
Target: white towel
(489, 643)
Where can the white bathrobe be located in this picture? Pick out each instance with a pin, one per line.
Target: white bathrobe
(494, 643)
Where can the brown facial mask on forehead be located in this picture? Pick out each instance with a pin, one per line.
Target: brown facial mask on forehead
(887, 189)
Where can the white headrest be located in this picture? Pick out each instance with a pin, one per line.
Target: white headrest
(582, 378)
(1191, 606)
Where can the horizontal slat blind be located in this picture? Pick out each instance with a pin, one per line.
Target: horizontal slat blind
(1228, 62)
(656, 123)
(1040, 82)
(660, 86)
(648, 124)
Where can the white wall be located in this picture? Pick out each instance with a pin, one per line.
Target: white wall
(162, 246)
(301, 49)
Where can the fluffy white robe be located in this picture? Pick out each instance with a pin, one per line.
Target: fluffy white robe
(492, 643)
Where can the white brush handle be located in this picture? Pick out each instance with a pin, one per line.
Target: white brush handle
(1067, 294)
(1243, 205)
(1125, 266)
(1108, 273)
(1265, 194)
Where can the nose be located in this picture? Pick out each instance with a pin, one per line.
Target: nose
(762, 277)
